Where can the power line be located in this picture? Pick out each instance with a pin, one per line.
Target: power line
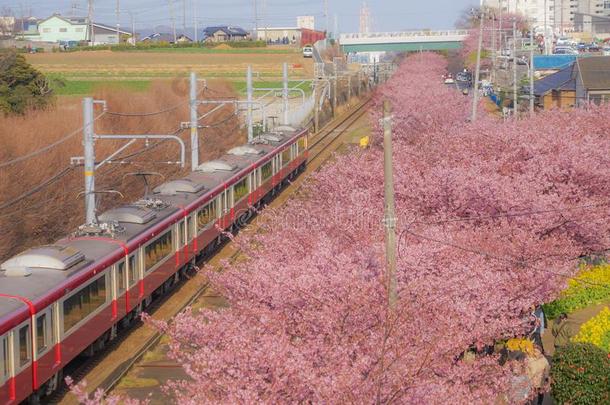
(38, 188)
(46, 148)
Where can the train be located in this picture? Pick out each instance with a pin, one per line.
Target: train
(69, 299)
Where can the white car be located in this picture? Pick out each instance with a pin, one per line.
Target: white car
(606, 51)
(308, 52)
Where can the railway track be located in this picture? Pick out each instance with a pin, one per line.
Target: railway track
(106, 369)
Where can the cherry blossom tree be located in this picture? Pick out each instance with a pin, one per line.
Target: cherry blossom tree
(493, 217)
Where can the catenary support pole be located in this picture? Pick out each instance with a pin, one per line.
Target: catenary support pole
(389, 214)
(118, 21)
(88, 141)
(475, 99)
(194, 123)
(250, 93)
(195, 22)
(285, 94)
(316, 108)
(515, 95)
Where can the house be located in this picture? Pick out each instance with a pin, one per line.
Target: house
(63, 29)
(225, 34)
(592, 79)
(105, 34)
(159, 37)
(76, 29)
(183, 39)
(7, 27)
(586, 80)
(557, 90)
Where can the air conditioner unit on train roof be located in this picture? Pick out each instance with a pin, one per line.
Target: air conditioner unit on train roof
(52, 257)
(179, 186)
(246, 150)
(130, 214)
(216, 166)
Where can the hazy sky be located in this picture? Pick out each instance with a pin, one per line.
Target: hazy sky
(387, 15)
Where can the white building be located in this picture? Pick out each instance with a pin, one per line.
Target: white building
(560, 15)
(307, 22)
(76, 29)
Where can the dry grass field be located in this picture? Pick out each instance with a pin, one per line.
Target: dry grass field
(108, 64)
(33, 215)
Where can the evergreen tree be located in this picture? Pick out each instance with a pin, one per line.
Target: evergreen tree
(21, 86)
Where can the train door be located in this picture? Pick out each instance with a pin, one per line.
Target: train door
(6, 357)
(22, 347)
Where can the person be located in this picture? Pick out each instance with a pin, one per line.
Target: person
(538, 324)
(562, 331)
(538, 371)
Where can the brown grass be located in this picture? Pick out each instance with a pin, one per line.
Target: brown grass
(56, 211)
(104, 62)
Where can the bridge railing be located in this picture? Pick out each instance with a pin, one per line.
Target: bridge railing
(405, 34)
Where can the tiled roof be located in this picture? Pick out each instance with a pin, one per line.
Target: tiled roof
(595, 72)
(561, 80)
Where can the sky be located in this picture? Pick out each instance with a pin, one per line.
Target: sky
(387, 15)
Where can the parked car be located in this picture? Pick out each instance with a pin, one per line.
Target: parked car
(606, 51)
(593, 48)
(565, 51)
(308, 52)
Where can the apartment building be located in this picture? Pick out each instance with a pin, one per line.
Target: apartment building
(561, 16)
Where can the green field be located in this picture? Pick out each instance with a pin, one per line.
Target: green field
(214, 50)
(70, 87)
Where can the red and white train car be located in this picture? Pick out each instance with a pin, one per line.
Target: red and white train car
(68, 299)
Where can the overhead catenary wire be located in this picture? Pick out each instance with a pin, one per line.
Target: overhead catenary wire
(46, 148)
(38, 188)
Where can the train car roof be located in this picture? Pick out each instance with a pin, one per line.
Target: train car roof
(36, 272)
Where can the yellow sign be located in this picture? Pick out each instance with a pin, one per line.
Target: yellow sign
(364, 142)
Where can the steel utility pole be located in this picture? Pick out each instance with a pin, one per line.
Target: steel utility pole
(88, 141)
(133, 29)
(285, 93)
(255, 20)
(326, 16)
(531, 71)
(173, 18)
(389, 214)
(516, 100)
(250, 92)
(184, 17)
(195, 22)
(194, 123)
(546, 29)
(90, 16)
(475, 99)
(118, 21)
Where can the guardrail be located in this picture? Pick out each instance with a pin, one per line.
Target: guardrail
(404, 34)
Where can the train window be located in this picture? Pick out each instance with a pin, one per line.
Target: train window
(5, 358)
(82, 304)
(133, 270)
(181, 234)
(207, 214)
(302, 144)
(121, 278)
(158, 250)
(189, 227)
(267, 171)
(240, 190)
(24, 346)
(286, 157)
(42, 340)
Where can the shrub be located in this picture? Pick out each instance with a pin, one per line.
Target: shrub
(21, 86)
(581, 375)
(596, 331)
(591, 286)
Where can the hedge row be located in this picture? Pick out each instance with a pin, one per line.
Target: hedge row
(590, 287)
(165, 45)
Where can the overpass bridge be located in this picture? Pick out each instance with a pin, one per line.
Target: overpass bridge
(406, 41)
